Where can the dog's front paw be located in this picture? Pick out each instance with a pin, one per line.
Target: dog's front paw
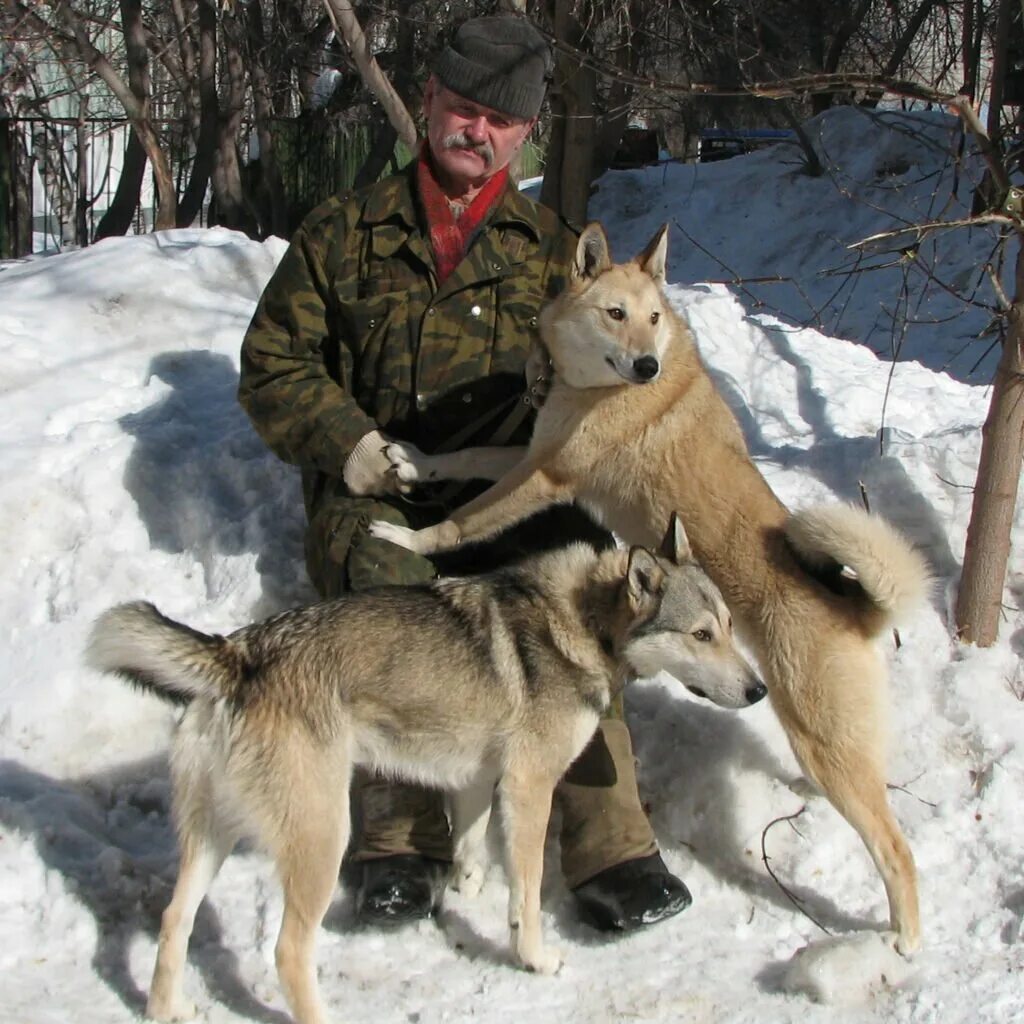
(408, 463)
(400, 535)
(442, 537)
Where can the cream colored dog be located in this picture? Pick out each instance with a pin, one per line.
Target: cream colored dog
(633, 429)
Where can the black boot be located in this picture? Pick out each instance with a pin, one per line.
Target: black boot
(399, 889)
(630, 895)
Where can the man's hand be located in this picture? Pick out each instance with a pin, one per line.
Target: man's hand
(369, 471)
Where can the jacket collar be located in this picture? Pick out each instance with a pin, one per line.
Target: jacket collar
(394, 199)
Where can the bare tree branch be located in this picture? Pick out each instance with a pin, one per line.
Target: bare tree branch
(920, 230)
(347, 26)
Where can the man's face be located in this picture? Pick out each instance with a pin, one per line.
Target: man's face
(469, 143)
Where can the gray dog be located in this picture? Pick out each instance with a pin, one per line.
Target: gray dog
(477, 685)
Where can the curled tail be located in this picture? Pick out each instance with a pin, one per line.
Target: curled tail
(163, 656)
(889, 572)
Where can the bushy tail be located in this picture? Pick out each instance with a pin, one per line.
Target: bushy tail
(160, 655)
(892, 575)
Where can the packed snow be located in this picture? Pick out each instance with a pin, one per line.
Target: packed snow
(127, 470)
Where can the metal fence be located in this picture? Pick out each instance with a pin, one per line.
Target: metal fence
(58, 176)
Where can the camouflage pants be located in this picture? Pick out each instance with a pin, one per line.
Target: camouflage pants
(603, 821)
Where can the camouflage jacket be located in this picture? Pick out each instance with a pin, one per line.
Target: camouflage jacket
(352, 332)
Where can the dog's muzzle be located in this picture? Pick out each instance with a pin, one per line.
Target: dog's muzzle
(756, 693)
(646, 367)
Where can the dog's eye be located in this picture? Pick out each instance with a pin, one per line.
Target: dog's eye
(702, 635)
(655, 317)
(617, 313)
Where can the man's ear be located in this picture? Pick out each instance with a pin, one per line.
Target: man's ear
(526, 127)
(592, 255)
(645, 580)
(676, 545)
(652, 260)
(429, 91)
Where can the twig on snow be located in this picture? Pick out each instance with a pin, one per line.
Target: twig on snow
(795, 900)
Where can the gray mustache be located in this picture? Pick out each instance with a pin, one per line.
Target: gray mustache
(458, 140)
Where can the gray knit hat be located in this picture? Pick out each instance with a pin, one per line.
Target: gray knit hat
(499, 61)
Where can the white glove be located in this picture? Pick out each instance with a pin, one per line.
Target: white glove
(369, 471)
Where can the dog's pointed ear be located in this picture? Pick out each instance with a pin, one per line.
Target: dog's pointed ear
(652, 260)
(645, 580)
(592, 255)
(676, 545)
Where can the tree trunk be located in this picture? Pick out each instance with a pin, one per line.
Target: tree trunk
(999, 62)
(903, 45)
(979, 601)
(618, 100)
(8, 193)
(908, 36)
(567, 174)
(381, 151)
(233, 210)
(20, 195)
(7, 204)
(205, 84)
(167, 197)
(989, 193)
(81, 177)
(272, 202)
(118, 218)
(812, 162)
(970, 45)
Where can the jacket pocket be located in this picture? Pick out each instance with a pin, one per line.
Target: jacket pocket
(517, 329)
(328, 540)
(382, 350)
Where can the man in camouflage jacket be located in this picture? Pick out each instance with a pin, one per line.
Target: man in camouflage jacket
(406, 310)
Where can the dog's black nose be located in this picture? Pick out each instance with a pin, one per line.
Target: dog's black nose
(646, 367)
(756, 693)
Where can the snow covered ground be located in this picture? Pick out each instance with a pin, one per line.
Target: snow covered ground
(127, 470)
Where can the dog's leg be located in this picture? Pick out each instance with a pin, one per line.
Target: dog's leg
(527, 489)
(412, 466)
(858, 793)
(854, 782)
(201, 858)
(471, 811)
(308, 862)
(526, 808)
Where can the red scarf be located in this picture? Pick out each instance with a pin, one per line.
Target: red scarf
(450, 235)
